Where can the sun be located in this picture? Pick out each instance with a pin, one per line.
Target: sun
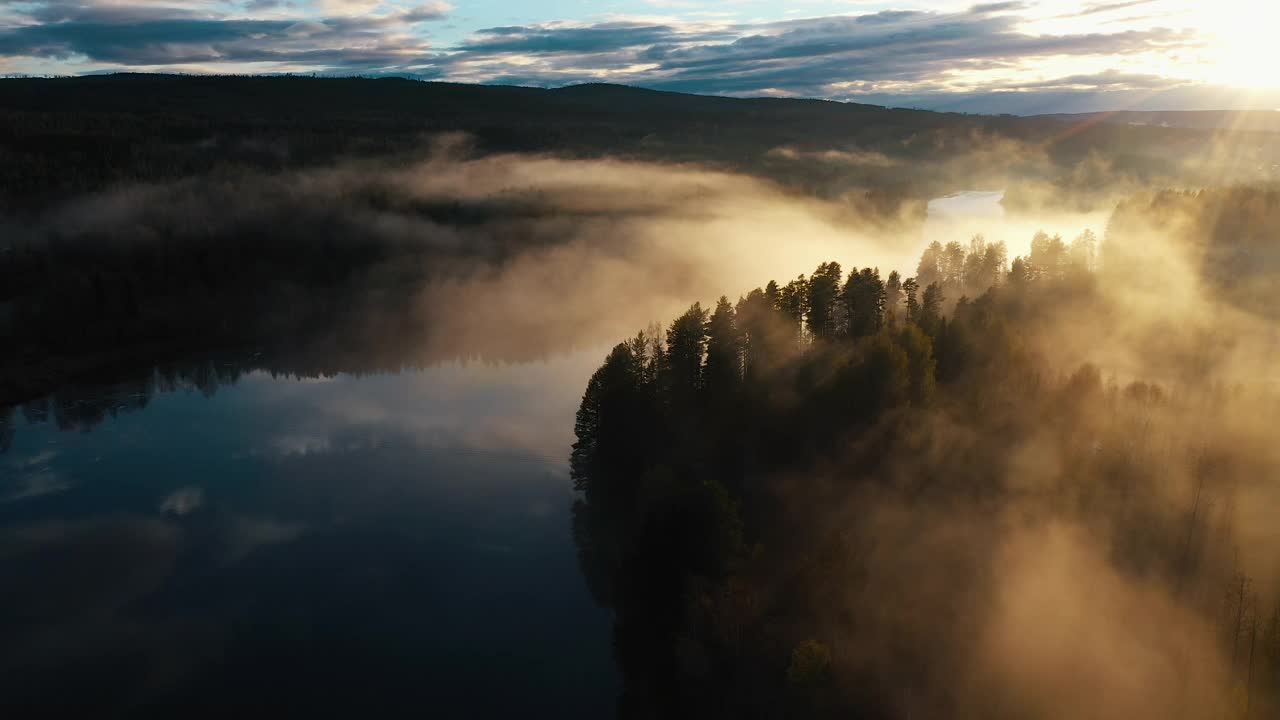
(1241, 43)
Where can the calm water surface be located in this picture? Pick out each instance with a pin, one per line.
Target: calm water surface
(392, 541)
(962, 215)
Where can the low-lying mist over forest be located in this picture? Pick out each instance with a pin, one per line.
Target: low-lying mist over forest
(909, 415)
(557, 253)
(1042, 488)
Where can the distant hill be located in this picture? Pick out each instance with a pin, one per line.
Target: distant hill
(68, 135)
(222, 95)
(1236, 120)
(61, 136)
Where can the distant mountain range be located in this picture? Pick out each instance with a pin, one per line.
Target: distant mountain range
(62, 136)
(1238, 120)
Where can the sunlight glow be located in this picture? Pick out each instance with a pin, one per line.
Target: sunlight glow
(1241, 42)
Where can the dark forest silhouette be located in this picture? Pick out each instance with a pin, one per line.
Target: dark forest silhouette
(735, 470)
(67, 136)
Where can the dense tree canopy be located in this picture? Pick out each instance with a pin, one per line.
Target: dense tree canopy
(737, 525)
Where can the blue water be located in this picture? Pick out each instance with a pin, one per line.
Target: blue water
(388, 542)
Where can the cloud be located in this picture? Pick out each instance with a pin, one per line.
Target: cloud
(825, 56)
(998, 7)
(36, 484)
(433, 10)
(563, 38)
(1110, 79)
(34, 478)
(427, 11)
(911, 54)
(307, 29)
(183, 502)
(147, 36)
(247, 534)
(347, 7)
(1097, 8)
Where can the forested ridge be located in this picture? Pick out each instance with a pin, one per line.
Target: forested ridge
(66, 136)
(858, 495)
(145, 217)
(164, 272)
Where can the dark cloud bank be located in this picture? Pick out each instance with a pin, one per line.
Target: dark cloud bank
(896, 58)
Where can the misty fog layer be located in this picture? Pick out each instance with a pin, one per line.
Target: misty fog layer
(559, 252)
(432, 259)
(917, 496)
(1046, 493)
(367, 266)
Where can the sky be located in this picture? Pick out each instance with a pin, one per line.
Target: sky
(1019, 56)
